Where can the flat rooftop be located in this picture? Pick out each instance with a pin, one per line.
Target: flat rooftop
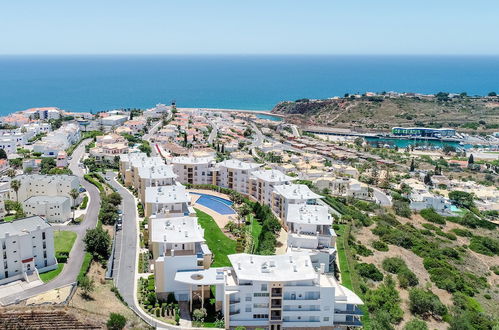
(192, 160)
(308, 214)
(167, 194)
(239, 165)
(157, 172)
(296, 191)
(22, 226)
(176, 230)
(271, 176)
(280, 268)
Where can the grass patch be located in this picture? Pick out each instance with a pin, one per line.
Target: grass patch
(9, 218)
(219, 244)
(50, 275)
(346, 277)
(256, 229)
(64, 240)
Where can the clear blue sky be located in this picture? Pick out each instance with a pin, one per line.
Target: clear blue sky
(249, 27)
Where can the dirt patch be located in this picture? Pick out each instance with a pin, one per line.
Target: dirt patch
(103, 301)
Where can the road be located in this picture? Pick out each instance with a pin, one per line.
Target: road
(72, 267)
(381, 197)
(126, 243)
(259, 136)
(214, 131)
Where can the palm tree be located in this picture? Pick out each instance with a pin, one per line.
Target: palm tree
(11, 173)
(74, 195)
(15, 184)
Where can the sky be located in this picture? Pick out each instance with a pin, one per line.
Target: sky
(365, 27)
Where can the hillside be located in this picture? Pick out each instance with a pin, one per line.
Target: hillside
(382, 113)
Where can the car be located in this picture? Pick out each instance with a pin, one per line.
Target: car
(107, 178)
(120, 212)
(82, 189)
(118, 226)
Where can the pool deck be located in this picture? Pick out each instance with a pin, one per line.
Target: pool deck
(220, 219)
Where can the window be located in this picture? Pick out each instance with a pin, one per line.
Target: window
(261, 294)
(264, 287)
(43, 235)
(326, 319)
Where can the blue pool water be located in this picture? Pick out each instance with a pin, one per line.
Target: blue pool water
(217, 204)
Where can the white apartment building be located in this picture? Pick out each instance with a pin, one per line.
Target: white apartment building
(45, 185)
(420, 198)
(26, 249)
(130, 164)
(158, 111)
(285, 195)
(234, 174)
(168, 201)
(57, 140)
(155, 176)
(177, 244)
(52, 208)
(262, 183)
(283, 292)
(36, 128)
(310, 228)
(193, 170)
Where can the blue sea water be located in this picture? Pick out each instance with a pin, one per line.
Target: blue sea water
(94, 83)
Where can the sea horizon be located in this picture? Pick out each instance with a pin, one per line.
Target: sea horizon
(101, 82)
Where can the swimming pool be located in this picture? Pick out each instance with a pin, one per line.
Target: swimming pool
(217, 204)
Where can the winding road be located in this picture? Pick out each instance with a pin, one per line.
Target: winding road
(72, 267)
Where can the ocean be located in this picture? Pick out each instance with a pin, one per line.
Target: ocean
(96, 83)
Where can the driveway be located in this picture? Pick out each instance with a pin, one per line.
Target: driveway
(72, 267)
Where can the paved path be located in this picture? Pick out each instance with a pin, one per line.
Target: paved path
(381, 197)
(214, 131)
(72, 267)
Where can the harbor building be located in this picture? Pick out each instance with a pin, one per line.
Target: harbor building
(424, 132)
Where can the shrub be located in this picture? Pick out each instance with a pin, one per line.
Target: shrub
(116, 321)
(393, 265)
(369, 271)
(362, 250)
(384, 303)
(380, 246)
(416, 324)
(402, 209)
(484, 245)
(424, 303)
(407, 278)
(462, 232)
(432, 216)
(84, 202)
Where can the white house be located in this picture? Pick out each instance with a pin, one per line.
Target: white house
(113, 120)
(27, 248)
(58, 140)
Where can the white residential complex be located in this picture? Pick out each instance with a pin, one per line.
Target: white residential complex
(193, 170)
(234, 174)
(46, 195)
(27, 248)
(58, 140)
(168, 201)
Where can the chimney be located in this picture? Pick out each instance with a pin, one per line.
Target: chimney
(295, 269)
(291, 259)
(322, 267)
(251, 259)
(239, 265)
(172, 252)
(164, 238)
(186, 234)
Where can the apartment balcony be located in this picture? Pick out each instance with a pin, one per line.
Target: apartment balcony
(276, 304)
(276, 292)
(355, 311)
(234, 301)
(234, 312)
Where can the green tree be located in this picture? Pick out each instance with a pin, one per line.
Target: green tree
(87, 285)
(114, 198)
(3, 154)
(74, 195)
(16, 185)
(462, 198)
(98, 242)
(471, 159)
(11, 173)
(413, 166)
(116, 321)
(425, 303)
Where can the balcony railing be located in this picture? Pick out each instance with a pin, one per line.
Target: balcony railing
(354, 323)
(237, 311)
(235, 301)
(355, 311)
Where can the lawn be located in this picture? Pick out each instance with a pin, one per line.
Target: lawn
(64, 240)
(219, 244)
(256, 229)
(346, 277)
(47, 276)
(9, 218)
